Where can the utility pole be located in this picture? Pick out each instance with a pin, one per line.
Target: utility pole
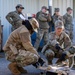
(50, 6)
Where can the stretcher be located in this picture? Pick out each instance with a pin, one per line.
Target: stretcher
(54, 70)
(58, 70)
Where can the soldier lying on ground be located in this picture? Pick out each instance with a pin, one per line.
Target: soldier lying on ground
(19, 50)
(56, 39)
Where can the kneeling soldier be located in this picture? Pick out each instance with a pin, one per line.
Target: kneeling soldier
(57, 38)
(18, 48)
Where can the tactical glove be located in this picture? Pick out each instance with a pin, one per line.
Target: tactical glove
(57, 46)
(63, 57)
(40, 62)
(36, 64)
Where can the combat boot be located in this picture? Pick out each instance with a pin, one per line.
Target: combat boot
(22, 70)
(13, 68)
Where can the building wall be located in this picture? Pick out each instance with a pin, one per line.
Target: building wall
(62, 4)
(31, 6)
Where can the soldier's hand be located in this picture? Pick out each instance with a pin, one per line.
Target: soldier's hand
(57, 46)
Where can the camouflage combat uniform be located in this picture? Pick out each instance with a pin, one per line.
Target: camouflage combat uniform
(55, 18)
(18, 47)
(68, 24)
(51, 51)
(43, 20)
(14, 19)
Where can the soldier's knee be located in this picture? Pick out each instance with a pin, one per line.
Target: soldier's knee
(10, 56)
(49, 53)
(35, 57)
(24, 61)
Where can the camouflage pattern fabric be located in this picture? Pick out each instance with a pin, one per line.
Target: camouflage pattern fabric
(23, 58)
(53, 40)
(18, 47)
(14, 19)
(68, 24)
(42, 33)
(43, 19)
(55, 18)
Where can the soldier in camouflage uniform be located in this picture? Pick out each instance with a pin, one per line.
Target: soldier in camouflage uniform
(56, 39)
(18, 48)
(43, 19)
(15, 18)
(68, 22)
(57, 16)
